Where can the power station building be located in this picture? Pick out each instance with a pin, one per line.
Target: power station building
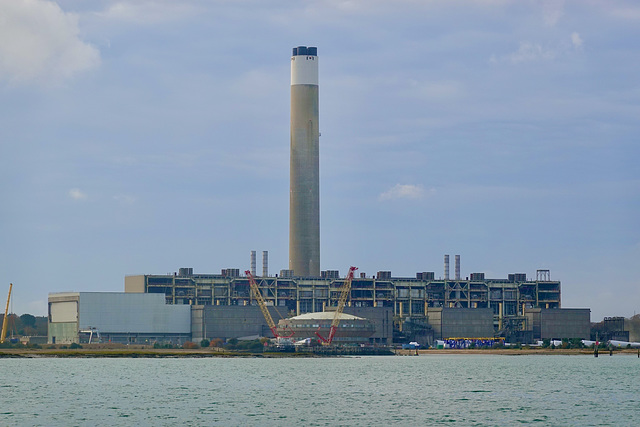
(491, 306)
(185, 305)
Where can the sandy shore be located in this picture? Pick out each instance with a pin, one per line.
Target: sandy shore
(147, 352)
(516, 352)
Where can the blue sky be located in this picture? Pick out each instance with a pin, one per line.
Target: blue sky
(138, 137)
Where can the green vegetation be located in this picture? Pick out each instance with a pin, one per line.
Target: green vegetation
(163, 345)
(252, 345)
(8, 344)
(204, 343)
(567, 343)
(26, 324)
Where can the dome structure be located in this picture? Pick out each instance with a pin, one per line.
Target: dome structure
(351, 329)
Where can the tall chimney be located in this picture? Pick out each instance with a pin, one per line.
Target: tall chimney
(253, 263)
(457, 267)
(265, 263)
(446, 267)
(304, 191)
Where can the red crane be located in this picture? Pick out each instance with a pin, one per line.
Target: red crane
(344, 294)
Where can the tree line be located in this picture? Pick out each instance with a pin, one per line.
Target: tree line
(25, 325)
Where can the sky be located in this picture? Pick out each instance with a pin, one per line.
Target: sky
(138, 137)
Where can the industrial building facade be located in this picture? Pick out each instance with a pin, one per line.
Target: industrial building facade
(506, 299)
(118, 317)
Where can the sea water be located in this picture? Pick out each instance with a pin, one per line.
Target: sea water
(482, 390)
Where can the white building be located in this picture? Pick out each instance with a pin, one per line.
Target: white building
(116, 317)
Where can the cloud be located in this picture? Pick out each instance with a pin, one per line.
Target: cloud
(531, 52)
(576, 40)
(40, 43)
(552, 11)
(628, 13)
(404, 191)
(77, 194)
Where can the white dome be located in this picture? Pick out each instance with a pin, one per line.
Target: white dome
(325, 315)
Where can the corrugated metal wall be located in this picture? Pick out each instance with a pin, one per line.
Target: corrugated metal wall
(133, 313)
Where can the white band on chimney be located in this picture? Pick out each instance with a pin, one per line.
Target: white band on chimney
(304, 70)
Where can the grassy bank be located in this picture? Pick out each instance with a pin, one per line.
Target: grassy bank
(111, 351)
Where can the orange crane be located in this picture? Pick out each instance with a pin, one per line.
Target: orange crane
(263, 307)
(6, 316)
(344, 294)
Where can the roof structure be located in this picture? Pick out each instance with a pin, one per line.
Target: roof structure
(325, 315)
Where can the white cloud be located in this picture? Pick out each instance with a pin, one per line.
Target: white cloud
(404, 191)
(77, 194)
(531, 52)
(40, 42)
(552, 11)
(628, 13)
(576, 40)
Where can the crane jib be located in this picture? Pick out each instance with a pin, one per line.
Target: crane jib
(344, 294)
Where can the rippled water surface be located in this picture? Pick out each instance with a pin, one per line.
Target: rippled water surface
(483, 390)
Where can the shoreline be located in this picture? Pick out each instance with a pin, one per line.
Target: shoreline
(142, 352)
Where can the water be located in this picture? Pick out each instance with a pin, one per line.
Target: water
(482, 390)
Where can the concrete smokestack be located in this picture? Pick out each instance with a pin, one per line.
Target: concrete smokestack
(253, 263)
(265, 264)
(304, 196)
(446, 267)
(457, 267)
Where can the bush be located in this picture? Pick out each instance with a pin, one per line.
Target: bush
(74, 346)
(162, 345)
(204, 343)
(576, 343)
(253, 345)
(188, 345)
(216, 342)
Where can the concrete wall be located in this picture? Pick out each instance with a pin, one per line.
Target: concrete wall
(241, 321)
(558, 323)
(382, 318)
(62, 333)
(461, 322)
(63, 318)
(134, 284)
(232, 321)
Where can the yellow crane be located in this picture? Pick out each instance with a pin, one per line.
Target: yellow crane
(6, 316)
(344, 294)
(263, 306)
